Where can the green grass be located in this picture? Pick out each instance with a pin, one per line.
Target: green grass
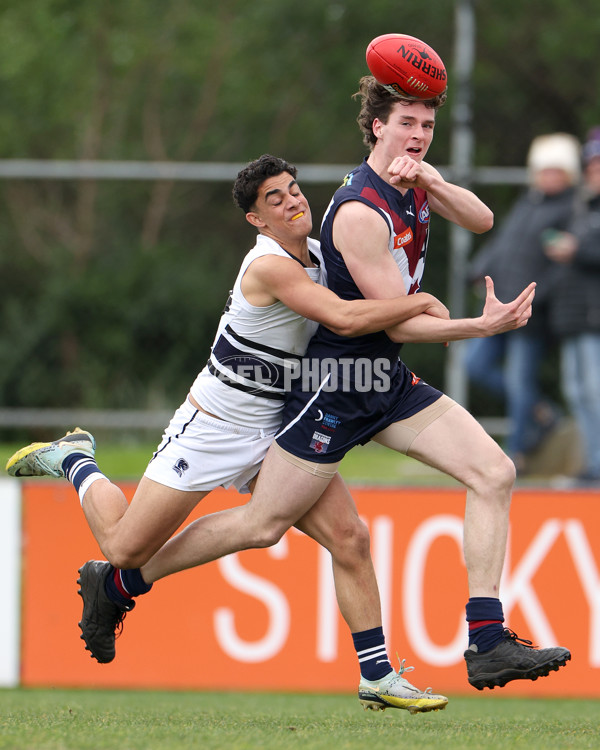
(370, 464)
(128, 720)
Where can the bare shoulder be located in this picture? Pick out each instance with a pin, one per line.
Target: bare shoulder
(267, 277)
(356, 223)
(358, 228)
(268, 266)
(355, 210)
(271, 272)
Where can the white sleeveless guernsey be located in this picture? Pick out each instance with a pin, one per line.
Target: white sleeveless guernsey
(254, 351)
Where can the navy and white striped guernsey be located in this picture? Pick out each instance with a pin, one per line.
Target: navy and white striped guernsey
(243, 381)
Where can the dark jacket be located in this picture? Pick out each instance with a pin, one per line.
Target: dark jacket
(575, 304)
(514, 256)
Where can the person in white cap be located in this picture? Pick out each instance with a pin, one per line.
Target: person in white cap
(575, 312)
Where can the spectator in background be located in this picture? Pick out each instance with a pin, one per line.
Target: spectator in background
(575, 310)
(515, 256)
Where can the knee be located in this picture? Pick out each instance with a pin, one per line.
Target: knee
(506, 472)
(267, 535)
(499, 475)
(350, 543)
(126, 557)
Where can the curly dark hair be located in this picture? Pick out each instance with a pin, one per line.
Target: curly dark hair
(252, 176)
(377, 102)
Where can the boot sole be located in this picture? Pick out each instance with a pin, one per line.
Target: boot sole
(374, 703)
(499, 679)
(99, 659)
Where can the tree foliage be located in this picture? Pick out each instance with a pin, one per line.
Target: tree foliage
(111, 290)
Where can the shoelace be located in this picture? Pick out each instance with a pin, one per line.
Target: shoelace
(404, 669)
(510, 635)
(119, 624)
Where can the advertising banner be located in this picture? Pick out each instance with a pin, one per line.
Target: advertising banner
(268, 619)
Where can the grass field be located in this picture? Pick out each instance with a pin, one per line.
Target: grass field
(49, 719)
(369, 464)
(132, 720)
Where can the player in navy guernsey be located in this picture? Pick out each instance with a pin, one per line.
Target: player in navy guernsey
(407, 216)
(374, 243)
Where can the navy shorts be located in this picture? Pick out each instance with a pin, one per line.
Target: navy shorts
(322, 426)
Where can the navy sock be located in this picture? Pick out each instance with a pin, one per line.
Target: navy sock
(485, 618)
(122, 585)
(372, 655)
(79, 466)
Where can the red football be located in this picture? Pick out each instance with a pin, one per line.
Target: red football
(406, 66)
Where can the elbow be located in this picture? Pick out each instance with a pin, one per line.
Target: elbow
(485, 223)
(348, 323)
(394, 335)
(349, 329)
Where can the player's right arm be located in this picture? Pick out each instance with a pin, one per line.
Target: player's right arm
(497, 317)
(453, 202)
(361, 235)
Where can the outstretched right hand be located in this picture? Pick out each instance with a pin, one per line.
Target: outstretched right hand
(498, 317)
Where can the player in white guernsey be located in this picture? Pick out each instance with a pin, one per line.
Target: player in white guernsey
(255, 350)
(238, 397)
(221, 433)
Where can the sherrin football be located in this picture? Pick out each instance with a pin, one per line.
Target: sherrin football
(406, 66)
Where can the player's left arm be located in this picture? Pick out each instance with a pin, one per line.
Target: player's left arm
(452, 202)
(271, 278)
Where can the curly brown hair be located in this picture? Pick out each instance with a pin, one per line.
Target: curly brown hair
(377, 102)
(252, 176)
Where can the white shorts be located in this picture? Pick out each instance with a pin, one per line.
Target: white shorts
(200, 453)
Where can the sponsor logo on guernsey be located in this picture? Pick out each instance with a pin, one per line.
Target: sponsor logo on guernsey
(415, 379)
(320, 442)
(403, 239)
(424, 214)
(331, 421)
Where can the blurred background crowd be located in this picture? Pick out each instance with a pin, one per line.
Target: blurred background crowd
(551, 235)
